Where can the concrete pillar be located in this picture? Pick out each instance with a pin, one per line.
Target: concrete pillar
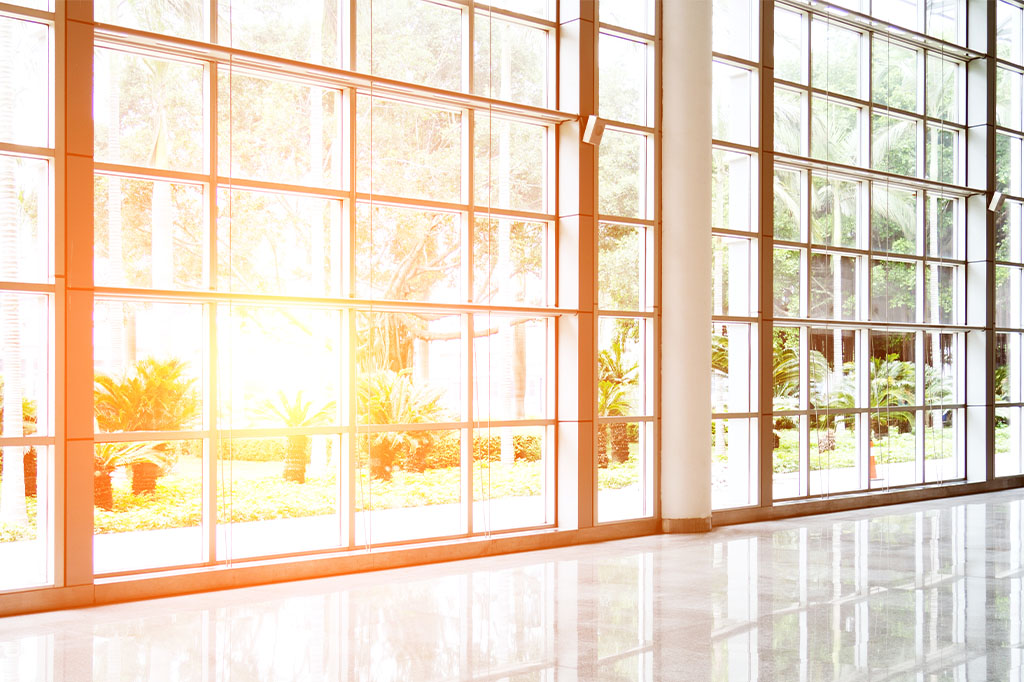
(686, 282)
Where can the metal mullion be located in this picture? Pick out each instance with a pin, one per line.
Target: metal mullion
(726, 232)
(27, 441)
(30, 151)
(466, 428)
(211, 448)
(20, 12)
(862, 173)
(349, 441)
(643, 222)
(735, 61)
(628, 33)
(736, 146)
(735, 319)
(155, 174)
(237, 183)
(146, 436)
(625, 127)
(28, 287)
(513, 16)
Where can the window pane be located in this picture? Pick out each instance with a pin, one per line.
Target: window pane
(509, 261)
(733, 31)
(1010, 232)
(790, 121)
(1008, 297)
(622, 267)
(509, 367)
(942, 89)
(894, 447)
(407, 254)
(278, 495)
(732, 379)
(510, 61)
(278, 367)
(148, 112)
(788, 209)
(893, 378)
(26, 96)
(623, 175)
(835, 132)
(733, 101)
(281, 244)
(1009, 173)
(731, 190)
(893, 291)
(25, 203)
(944, 20)
(943, 155)
(894, 76)
(623, 81)
(622, 368)
(537, 8)
(940, 372)
(1009, 443)
(835, 58)
(787, 282)
(410, 368)
(278, 131)
(511, 164)
(893, 219)
(734, 463)
(24, 536)
(943, 449)
(1009, 25)
(25, 330)
(296, 29)
(635, 14)
(624, 485)
(833, 453)
(832, 364)
(835, 211)
(789, 46)
(410, 40)
(900, 12)
(148, 233)
(408, 485)
(1009, 98)
(409, 151)
(1009, 368)
(787, 477)
(510, 485)
(149, 366)
(147, 494)
(182, 19)
(942, 295)
(733, 276)
(894, 144)
(941, 227)
(786, 373)
(833, 286)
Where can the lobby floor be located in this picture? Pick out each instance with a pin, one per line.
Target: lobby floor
(927, 591)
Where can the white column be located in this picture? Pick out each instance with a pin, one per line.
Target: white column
(686, 271)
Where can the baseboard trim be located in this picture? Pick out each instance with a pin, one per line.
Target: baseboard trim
(700, 525)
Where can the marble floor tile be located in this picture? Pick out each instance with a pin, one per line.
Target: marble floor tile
(927, 591)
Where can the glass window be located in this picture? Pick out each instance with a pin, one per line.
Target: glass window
(733, 103)
(623, 86)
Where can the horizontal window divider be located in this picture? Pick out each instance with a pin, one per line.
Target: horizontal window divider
(25, 441)
(31, 151)
(1009, 132)
(1008, 65)
(337, 193)
(625, 127)
(27, 287)
(734, 146)
(445, 206)
(146, 436)
(109, 36)
(1008, 330)
(726, 232)
(142, 172)
(619, 220)
(862, 173)
(732, 59)
(20, 12)
(735, 415)
(864, 22)
(502, 13)
(625, 419)
(506, 423)
(226, 432)
(738, 319)
(331, 303)
(843, 411)
(999, 405)
(645, 314)
(881, 255)
(874, 325)
(623, 32)
(507, 213)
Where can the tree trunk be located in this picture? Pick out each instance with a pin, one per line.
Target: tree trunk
(296, 459)
(602, 445)
(620, 441)
(103, 494)
(31, 472)
(144, 476)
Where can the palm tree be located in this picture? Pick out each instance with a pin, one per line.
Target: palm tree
(297, 413)
(389, 397)
(615, 375)
(157, 396)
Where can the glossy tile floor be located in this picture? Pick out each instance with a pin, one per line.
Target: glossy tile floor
(929, 591)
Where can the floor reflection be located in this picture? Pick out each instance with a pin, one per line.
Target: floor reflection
(931, 591)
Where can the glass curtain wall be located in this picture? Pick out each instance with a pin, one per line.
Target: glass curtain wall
(869, 248)
(626, 261)
(324, 269)
(28, 294)
(1008, 230)
(735, 226)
